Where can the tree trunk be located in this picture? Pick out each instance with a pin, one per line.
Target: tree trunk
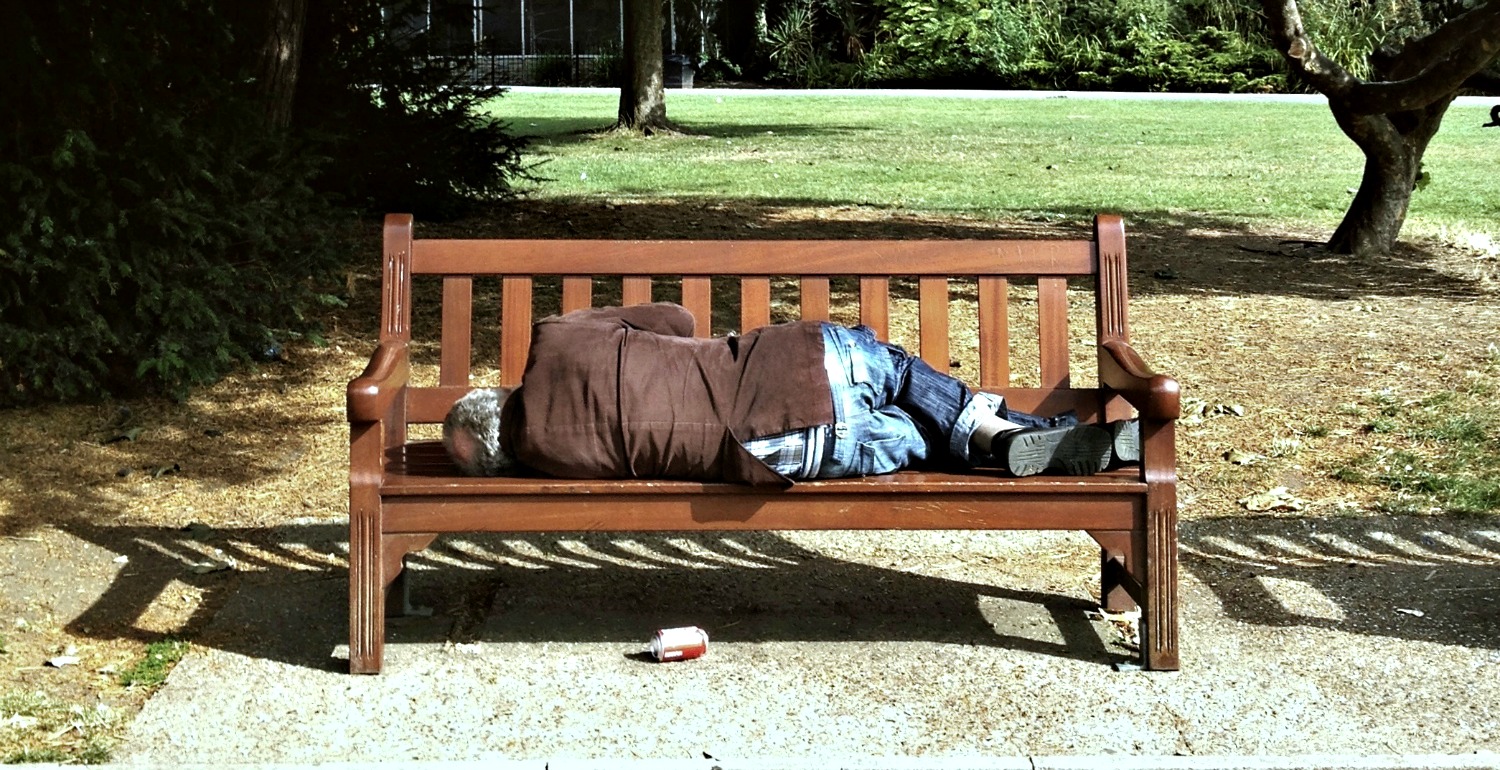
(643, 96)
(1393, 115)
(280, 58)
(1393, 146)
(643, 103)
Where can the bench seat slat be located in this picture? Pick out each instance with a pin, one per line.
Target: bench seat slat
(843, 258)
(854, 511)
(421, 468)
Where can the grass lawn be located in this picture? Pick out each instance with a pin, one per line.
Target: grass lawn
(1244, 161)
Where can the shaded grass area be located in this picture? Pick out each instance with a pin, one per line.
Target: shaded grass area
(1269, 161)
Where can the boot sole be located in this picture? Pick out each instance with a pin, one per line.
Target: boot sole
(1078, 450)
(1127, 441)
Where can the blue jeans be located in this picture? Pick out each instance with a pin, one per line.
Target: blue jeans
(892, 410)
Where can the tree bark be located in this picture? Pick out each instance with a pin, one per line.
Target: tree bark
(643, 97)
(1393, 146)
(280, 59)
(1393, 116)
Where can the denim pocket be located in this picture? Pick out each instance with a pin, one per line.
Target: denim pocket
(886, 455)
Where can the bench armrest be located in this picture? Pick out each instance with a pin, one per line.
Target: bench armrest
(373, 394)
(1156, 396)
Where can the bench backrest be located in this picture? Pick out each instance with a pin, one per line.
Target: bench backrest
(693, 265)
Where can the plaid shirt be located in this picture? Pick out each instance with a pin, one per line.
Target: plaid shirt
(796, 454)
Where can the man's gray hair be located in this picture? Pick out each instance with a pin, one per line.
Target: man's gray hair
(477, 416)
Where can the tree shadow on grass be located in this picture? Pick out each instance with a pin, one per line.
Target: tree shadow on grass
(562, 132)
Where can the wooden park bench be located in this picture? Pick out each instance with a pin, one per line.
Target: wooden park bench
(403, 493)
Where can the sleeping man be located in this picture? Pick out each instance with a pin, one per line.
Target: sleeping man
(629, 392)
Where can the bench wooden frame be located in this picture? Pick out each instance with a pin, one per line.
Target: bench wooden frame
(402, 494)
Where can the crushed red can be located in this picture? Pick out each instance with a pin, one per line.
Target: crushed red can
(683, 643)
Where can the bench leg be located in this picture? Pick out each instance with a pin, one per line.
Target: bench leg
(366, 583)
(1118, 554)
(398, 594)
(1159, 617)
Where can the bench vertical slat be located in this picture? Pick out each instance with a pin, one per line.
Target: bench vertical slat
(994, 333)
(635, 290)
(1111, 289)
(1111, 297)
(515, 327)
(458, 336)
(1052, 330)
(577, 292)
(698, 298)
(395, 307)
(813, 299)
(755, 302)
(932, 300)
(875, 304)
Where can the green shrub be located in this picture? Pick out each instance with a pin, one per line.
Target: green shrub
(158, 230)
(156, 233)
(944, 41)
(404, 131)
(1125, 45)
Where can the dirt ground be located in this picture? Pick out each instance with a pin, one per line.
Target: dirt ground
(1281, 351)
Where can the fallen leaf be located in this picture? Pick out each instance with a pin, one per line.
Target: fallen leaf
(1278, 499)
(212, 565)
(130, 434)
(1241, 457)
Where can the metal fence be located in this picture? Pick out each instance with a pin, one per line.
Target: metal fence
(543, 42)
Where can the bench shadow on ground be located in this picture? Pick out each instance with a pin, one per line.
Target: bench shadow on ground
(286, 599)
(1414, 578)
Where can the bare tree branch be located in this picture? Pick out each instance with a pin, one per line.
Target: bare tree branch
(1441, 61)
(1287, 32)
(1473, 43)
(1422, 52)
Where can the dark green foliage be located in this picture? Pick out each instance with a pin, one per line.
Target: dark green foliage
(418, 141)
(156, 230)
(155, 233)
(1123, 45)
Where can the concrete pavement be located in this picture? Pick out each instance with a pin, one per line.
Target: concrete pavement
(1340, 642)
